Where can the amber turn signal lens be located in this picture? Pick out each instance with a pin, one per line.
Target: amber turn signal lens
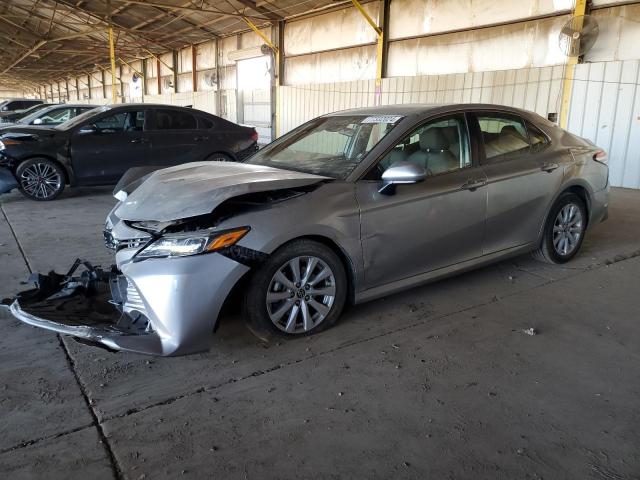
(227, 239)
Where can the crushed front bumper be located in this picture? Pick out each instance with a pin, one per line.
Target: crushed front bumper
(156, 306)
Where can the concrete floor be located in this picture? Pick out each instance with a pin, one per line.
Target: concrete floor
(437, 382)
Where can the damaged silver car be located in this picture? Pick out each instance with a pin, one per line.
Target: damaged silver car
(348, 207)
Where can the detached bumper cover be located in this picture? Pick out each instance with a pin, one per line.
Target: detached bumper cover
(157, 306)
(7, 180)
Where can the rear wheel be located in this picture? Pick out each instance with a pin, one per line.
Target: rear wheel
(564, 230)
(40, 179)
(300, 290)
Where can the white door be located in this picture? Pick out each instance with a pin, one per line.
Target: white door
(254, 95)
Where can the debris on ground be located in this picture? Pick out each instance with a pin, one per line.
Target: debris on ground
(530, 331)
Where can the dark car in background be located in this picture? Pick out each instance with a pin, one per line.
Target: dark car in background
(97, 147)
(16, 104)
(9, 118)
(45, 114)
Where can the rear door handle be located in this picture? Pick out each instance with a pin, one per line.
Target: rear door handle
(202, 138)
(549, 167)
(139, 140)
(473, 183)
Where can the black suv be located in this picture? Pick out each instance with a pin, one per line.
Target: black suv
(97, 147)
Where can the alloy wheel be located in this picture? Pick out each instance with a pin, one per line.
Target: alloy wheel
(567, 229)
(301, 294)
(40, 180)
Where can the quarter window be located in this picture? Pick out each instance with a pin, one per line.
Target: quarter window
(538, 140)
(174, 120)
(439, 146)
(204, 123)
(505, 137)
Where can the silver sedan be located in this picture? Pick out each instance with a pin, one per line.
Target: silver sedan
(348, 207)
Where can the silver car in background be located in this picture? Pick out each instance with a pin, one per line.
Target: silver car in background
(348, 207)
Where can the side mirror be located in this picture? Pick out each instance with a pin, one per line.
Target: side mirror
(86, 129)
(401, 173)
(37, 121)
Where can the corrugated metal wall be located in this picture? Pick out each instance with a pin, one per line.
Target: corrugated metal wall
(605, 108)
(605, 102)
(537, 89)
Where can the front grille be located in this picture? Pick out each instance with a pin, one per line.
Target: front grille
(115, 244)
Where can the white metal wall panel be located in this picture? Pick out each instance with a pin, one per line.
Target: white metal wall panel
(342, 65)
(535, 89)
(497, 48)
(605, 108)
(344, 28)
(409, 18)
(619, 34)
(206, 55)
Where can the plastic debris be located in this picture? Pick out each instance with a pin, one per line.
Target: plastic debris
(530, 331)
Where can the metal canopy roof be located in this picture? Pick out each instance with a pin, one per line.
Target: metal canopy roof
(45, 40)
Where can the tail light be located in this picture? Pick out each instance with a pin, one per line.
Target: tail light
(254, 135)
(601, 157)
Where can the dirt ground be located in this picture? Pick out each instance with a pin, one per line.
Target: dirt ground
(437, 382)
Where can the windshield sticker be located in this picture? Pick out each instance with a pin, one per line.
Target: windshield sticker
(382, 119)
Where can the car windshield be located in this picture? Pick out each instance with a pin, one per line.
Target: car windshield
(80, 119)
(25, 113)
(331, 146)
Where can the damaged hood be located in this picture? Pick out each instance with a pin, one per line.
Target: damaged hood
(198, 188)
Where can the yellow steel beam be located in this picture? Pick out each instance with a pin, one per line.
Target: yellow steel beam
(112, 57)
(159, 60)
(260, 34)
(579, 10)
(380, 43)
(122, 60)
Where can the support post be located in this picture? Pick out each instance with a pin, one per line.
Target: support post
(579, 10)
(112, 57)
(275, 68)
(158, 75)
(194, 68)
(174, 58)
(379, 47)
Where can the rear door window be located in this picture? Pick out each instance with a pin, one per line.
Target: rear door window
(174, 120)
(504, 135)
(131, 121)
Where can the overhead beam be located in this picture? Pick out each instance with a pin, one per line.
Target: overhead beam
(191, 9)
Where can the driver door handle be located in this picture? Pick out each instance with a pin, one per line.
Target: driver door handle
(549, 167)
(473, 183)
(139, 140)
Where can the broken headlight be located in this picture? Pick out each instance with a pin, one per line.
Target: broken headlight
(192, 244)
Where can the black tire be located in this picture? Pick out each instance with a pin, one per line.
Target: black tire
(255, 307)
(548, 252)
(219, 157)
(40, 179)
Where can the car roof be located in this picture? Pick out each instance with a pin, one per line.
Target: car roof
(423, 108)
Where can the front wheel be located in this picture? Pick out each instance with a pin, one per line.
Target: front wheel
(40, 179)
(300, 290)
(564, 230)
